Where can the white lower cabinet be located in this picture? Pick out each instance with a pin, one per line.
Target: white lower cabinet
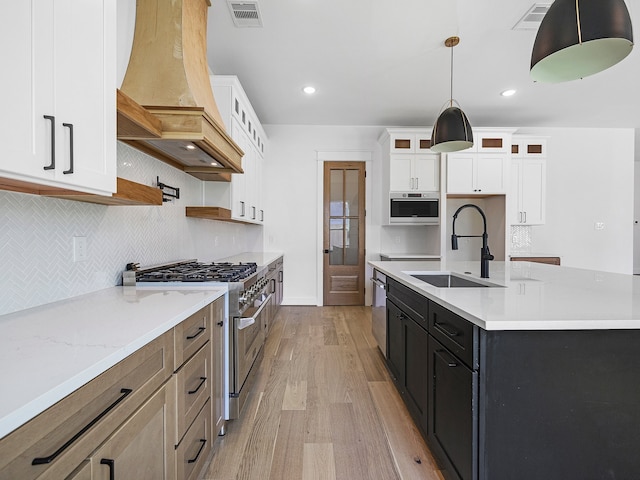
(528, 181)
(477, 173)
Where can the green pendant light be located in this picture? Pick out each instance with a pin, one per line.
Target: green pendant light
(452, 130)
(578, 38)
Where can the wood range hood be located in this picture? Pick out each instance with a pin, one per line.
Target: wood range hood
(165, 105)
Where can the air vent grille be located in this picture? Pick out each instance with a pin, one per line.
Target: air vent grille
(533, 17)
(245, 14)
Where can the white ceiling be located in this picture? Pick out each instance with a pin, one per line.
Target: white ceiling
(383, 62)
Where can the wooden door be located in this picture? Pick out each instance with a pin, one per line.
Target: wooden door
(344, 233)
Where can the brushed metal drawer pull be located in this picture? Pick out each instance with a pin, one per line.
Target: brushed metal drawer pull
(111, 464)
(203, 441)
(44, 460)
(52, 165)
(451, 333)
(202, 380)
(200, 330)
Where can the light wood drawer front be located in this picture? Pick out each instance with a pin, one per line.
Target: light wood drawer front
(195, 446)
(191, 334)
(71, 429)
(193, 389)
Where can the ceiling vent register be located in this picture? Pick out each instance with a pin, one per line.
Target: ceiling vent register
(245, 14)
(533, 18)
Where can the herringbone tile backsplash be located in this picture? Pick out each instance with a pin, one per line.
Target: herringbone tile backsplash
(36, 236)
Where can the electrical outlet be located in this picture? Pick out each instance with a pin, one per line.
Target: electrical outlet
(79, 249)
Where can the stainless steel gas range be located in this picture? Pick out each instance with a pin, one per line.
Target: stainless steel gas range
(248, 304)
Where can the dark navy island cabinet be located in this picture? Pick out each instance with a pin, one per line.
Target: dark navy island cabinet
(526, 405)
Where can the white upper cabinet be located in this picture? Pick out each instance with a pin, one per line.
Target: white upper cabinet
(528, 181)
(407, 161)
(59, 126)
(490, 142)
(410, 142)
(419, 173)
(484, 168)
(474, 173)
(244, 196)
(528, 147)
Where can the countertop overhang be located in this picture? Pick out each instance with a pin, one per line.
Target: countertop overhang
(51, 350)
(531, 296)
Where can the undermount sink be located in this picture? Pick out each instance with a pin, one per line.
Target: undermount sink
(449, 280)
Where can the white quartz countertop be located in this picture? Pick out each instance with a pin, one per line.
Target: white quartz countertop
(530, 296)
(49, 351)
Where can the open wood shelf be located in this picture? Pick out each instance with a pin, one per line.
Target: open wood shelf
(128, 193)
(214, 213)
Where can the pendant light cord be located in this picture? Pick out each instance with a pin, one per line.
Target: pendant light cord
(578, 23)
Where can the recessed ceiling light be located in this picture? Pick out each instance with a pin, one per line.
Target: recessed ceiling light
(190, 147)
(508, 93)
(309, 90)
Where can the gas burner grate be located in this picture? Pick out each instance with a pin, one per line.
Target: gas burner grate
(200, 272)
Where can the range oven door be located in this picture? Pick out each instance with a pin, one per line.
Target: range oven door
(248, 333)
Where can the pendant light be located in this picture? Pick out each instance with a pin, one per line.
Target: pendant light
(452, 130)
(578, 38)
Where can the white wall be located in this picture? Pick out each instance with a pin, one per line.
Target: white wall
(292, 191)
(590, 178)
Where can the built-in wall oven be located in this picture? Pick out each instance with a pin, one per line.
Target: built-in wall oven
(249, 300)
(414, 208)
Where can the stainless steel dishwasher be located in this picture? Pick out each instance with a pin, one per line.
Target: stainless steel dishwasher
(379, 310)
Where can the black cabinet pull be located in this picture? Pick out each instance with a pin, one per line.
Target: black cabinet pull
(273, 286)
(448, 331)
(202, 380)
(70, 127)
(111, 464)
(203, 441)
(450, 363)
(43, 460)
(220, 323)
(52, 165)
(200, 330)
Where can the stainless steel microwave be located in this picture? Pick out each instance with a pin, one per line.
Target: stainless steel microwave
(417, 208)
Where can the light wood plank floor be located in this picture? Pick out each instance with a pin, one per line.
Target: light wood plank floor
(323, 407)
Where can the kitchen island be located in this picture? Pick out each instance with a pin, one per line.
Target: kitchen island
(536, 375)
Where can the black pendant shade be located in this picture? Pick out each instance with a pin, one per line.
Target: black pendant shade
(452, 131)
(578, 38)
